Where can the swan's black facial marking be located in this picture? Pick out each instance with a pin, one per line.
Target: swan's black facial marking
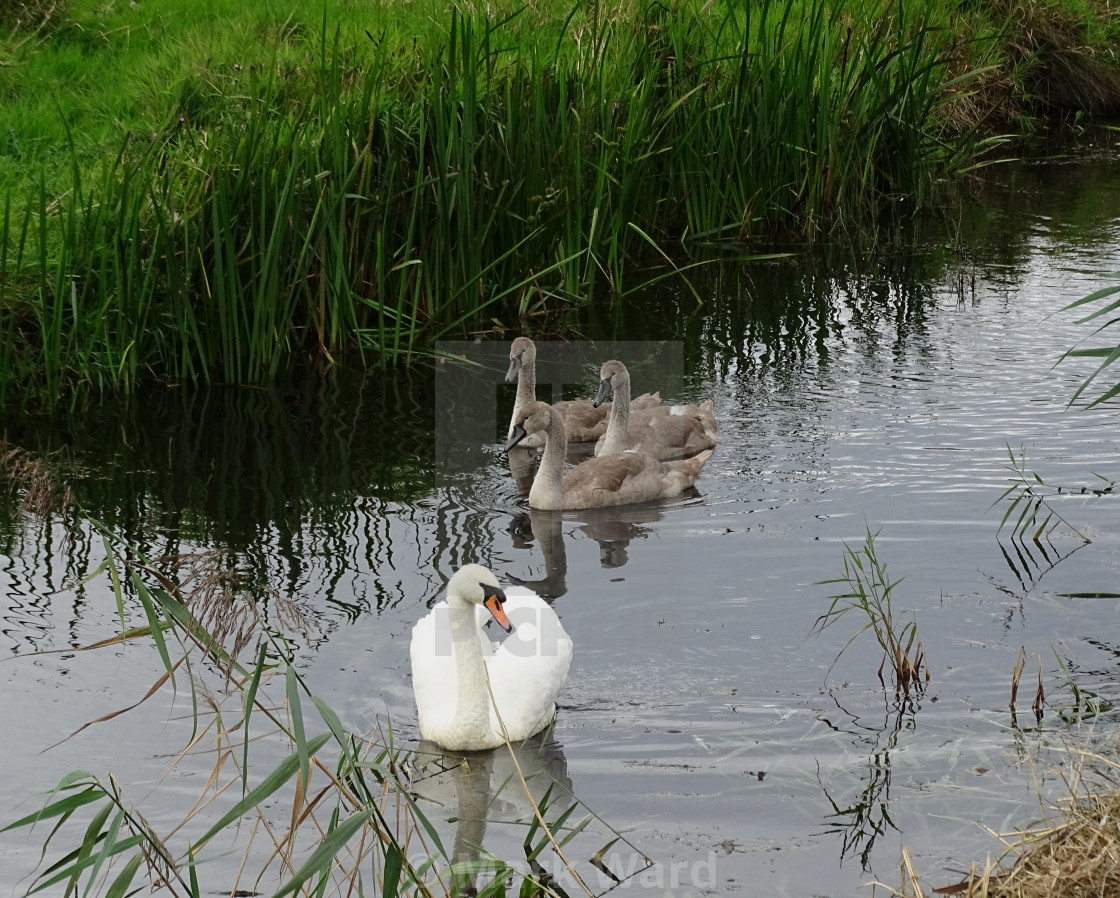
(519, 433)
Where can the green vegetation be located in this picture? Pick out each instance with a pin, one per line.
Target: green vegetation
(871, 595)
(1035, 500)
(1104, 317)
(212, 192)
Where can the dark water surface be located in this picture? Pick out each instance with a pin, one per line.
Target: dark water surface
(700, 718)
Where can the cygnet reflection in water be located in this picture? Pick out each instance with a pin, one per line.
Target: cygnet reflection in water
(614, 529)
(546, 529)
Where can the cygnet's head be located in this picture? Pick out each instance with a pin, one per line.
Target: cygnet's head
(522, 353)
(613, 376)
(478, 585)
(534, 418)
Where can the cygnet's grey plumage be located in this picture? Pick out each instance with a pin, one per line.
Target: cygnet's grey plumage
(585, 422)
(666, 433)
(620, 479)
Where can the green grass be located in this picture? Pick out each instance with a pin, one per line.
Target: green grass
(213, 193)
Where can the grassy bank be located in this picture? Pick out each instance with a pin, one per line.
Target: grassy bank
(213, 192)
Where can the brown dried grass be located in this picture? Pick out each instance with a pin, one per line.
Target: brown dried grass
(1059, 68)
(1044, 63)
(214, 590)
(29, 477)
(1074, 852)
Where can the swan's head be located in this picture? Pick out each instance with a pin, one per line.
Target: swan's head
(476, 584)
(534, 418)
(612, 377)
(522, 353)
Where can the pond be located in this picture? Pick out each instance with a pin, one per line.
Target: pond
(702, 722)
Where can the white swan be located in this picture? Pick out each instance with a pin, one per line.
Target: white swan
(620, 479)
(585, 420)
(665, 432)
(452, 660)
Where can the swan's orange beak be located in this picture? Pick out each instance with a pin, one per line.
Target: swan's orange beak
(493, 602)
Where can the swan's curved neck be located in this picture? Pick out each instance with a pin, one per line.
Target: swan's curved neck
(619, 420)
(548, 486)
(472, 709)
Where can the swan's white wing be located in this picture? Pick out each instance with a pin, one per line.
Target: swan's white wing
(530, 667)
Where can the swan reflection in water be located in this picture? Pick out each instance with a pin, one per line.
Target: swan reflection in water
(481, 790)
(614, 529)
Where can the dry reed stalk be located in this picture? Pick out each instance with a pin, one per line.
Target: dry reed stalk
(1073, 853)
(1076, 855)
(1016, 675)
(532, 802)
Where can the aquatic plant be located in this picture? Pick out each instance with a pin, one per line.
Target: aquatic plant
(381, 196)
(871, 596)
(1085, 704)
(1106, 315)
(345, 801)
(1016, 675)
(1035, 501)
(1033, 551)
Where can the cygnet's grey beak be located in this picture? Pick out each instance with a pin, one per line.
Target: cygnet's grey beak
(518, 435)
(604, 389)
(514, 367)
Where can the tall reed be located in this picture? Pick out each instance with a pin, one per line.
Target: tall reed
(870, 597)
(376, 208)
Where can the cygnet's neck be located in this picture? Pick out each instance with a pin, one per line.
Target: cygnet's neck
(526, 388)
(619, 421)
(547, 491)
